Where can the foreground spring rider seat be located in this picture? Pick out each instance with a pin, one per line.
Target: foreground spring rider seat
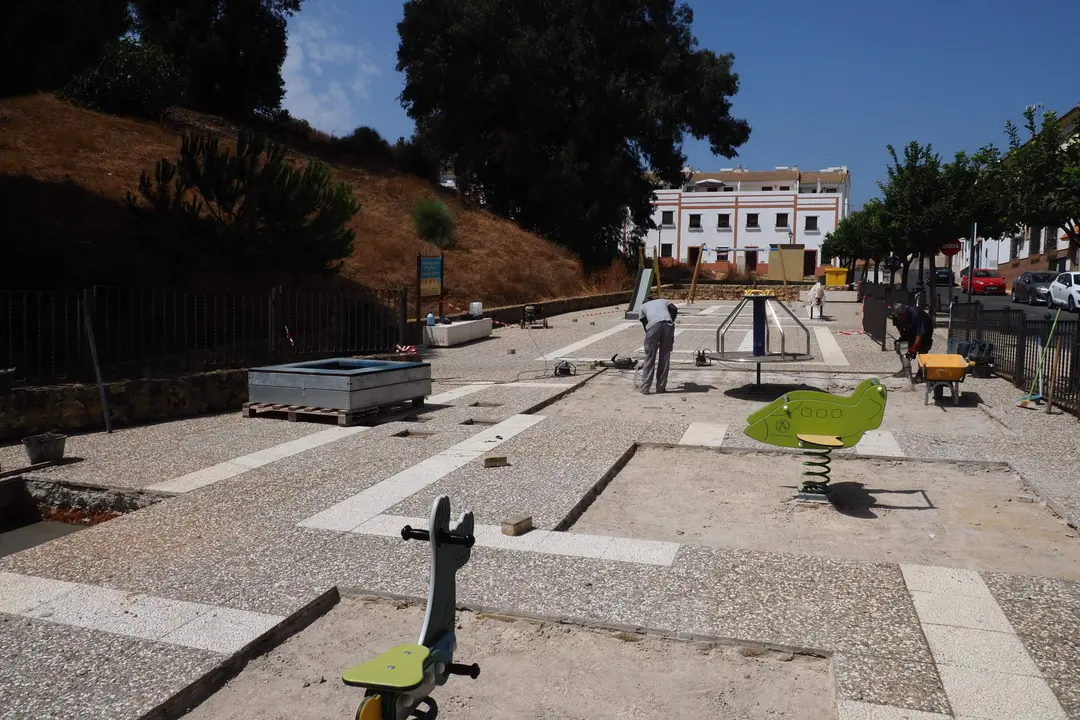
(399, 681)
(818, 423)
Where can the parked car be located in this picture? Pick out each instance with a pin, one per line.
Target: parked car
(1033, 288)
(1065, 291)
(987, 282)
(944, 277)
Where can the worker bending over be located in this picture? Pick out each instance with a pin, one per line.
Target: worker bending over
(658, 317)
(915, 327)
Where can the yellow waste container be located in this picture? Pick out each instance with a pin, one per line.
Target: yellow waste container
(835, 277)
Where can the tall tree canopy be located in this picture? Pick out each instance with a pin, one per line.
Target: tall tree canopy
(45, 44)
(1042, 176)
(229, 51)
(553, 111)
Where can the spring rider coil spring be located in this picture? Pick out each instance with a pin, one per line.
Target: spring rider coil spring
(818, 465)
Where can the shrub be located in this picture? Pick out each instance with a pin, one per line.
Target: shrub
(434, 223)
(413, 157)
(251, 207)
(130, 78)
(367, 144)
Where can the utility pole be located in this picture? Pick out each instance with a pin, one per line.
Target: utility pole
(971, 260)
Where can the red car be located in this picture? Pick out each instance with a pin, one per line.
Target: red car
(987, 282)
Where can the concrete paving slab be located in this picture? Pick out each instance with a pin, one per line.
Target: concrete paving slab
(979, 650)
(55, 672)
(974, 613)
(998, 696)
(888, 684)
(849, 710)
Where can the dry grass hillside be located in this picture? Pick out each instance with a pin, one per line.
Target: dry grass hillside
(64, 172)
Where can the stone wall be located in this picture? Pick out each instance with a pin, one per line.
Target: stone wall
(730, 292)
(75, 408)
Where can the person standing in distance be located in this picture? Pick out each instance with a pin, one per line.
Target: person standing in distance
(658, 318)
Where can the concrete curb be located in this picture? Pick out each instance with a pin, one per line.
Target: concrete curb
(201, 689)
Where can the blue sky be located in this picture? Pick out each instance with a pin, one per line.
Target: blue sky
(822, 84)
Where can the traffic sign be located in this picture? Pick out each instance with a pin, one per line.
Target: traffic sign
(951, 247)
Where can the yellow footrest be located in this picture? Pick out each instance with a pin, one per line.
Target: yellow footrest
(400, 669)
(829, 441)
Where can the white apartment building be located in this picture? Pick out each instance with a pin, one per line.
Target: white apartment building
(734, 215)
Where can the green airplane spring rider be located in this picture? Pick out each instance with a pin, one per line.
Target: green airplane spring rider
(819, 423)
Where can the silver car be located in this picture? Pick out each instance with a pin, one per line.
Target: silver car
(1033, 288)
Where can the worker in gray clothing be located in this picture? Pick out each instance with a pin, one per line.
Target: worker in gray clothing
(658, 317)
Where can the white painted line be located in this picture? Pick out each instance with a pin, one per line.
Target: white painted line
(830, 349)
(711, 310)
(572, 347)
(458, 392)
(178, 622)
(548, 542)
(984, 667)
(352, 512)
(879, 442)
(526, 384)
(747, 342)
(702, 434)
(240, 465)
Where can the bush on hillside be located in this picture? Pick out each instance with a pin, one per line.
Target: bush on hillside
(130, 78)
(251, 207)
(434, 223)
(367, 144)
(413, 157)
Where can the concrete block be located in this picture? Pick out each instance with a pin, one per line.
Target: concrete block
(457, 333)
(496, 461)
(517, 525)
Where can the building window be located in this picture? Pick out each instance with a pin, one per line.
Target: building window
(689, 188)
(665, 249)
(1050, 241)
(721, 256)
(713, 188)
(729, 188)
(830, 190)
(751, 220)
(1014, 248)
(811, 222)
(785, 188)
(723, 221)
(667, 218)
(1034, 236)
(766, 188)
(781, 220)
(695, 222)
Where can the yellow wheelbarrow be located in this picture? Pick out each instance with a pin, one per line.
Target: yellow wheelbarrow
(941, 371)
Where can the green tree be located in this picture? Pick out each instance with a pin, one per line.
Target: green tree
(552, 113)
(251, 207)
(131, 78)
(1039, 176)
(915, 204)
(229, 51)
(45, 44)
(434, 223)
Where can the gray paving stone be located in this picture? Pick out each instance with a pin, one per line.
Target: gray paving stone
(1068, 695)
(889, 681)
(1044, 613)
(52, 671)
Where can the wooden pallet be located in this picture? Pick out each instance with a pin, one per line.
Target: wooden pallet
(346, 418)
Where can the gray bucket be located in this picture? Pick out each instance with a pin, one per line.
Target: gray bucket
(45, 448)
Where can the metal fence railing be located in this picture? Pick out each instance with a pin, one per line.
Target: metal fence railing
(45, 336)
(1023, 348)
(877, 300)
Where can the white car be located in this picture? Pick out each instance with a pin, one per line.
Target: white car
(1065, 291)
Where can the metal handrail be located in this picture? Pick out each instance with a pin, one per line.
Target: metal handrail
(798, 322)
(721, 331)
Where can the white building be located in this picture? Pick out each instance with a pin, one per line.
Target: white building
(736, 214)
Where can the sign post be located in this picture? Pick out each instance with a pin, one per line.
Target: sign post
(949, 249)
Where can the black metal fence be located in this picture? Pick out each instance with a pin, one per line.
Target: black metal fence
(45, 336)
(1024, 348)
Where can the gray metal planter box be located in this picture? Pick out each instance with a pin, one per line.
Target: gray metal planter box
(340, 383)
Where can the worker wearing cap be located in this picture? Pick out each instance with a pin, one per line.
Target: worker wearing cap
(915, 327)
(658, 317)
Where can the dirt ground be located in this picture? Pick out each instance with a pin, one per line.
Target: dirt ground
(528, 670)
(893, 511)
